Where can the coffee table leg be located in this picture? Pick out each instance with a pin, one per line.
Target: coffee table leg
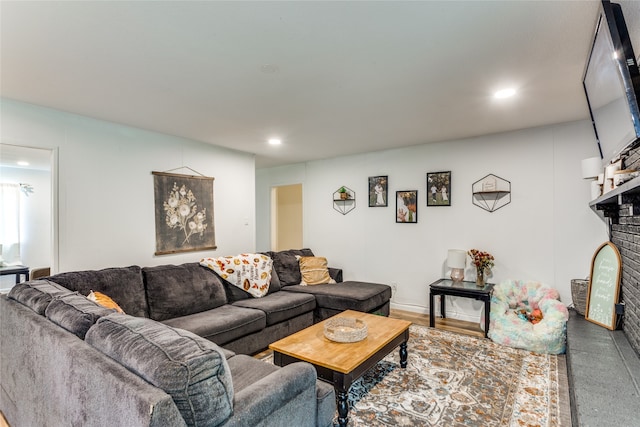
(403, 355)
(343, 407)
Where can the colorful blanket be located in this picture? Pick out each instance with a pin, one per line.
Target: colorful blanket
(249, 272)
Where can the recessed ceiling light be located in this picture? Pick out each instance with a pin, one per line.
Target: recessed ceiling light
(504, 93)
(269, 68)
(22, 163)
(275, 141)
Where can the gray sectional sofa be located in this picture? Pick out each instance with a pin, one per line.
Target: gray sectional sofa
(179, 354)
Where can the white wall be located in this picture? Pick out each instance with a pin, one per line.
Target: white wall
(105, 186)
(547, 233)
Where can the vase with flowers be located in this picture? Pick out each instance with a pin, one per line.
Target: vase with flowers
(483, 261)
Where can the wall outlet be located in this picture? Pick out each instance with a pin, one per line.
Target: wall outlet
(394, 289)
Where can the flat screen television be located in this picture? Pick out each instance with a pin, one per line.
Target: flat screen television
(612, 84)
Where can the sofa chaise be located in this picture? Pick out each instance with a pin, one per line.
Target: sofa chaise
(68, 361)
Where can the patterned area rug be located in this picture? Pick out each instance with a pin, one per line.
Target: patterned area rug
(458, 380)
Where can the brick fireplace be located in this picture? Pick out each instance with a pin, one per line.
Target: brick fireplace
(623, 213)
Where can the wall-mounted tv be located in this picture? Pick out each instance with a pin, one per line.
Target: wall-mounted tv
(612, 84)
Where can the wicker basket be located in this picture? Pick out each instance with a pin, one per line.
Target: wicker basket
(579, 289)
(345, 329)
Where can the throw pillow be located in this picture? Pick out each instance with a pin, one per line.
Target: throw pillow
(286, 265)
(104, 300)
(192, 370)
(314, 271)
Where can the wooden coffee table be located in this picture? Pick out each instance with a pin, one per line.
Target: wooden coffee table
(343, 363)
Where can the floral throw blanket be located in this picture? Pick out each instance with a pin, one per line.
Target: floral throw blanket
(249, 272)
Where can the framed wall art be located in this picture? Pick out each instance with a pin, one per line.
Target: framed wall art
(439, 188)
(378, 190)
(183, 213)
(407, 206)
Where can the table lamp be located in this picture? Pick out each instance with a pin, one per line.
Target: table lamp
(591, 169)
(457, 261)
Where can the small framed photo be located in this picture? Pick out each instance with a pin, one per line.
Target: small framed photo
(439, 188)
(378, 186)
(407, 206)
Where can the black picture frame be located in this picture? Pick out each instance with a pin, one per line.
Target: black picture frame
(183, 213)
(407, 206)
(439, 188)
(378, 191)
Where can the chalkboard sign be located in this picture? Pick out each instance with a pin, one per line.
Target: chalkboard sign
(604, 286)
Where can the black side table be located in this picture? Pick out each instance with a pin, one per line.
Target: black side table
(444, 287)
(17, 270)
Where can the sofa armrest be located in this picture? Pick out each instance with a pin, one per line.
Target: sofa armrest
(286, 397)
(336, 274)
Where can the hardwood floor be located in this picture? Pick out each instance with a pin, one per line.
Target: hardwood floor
(452, 325)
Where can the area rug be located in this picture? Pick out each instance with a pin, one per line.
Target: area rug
(459, 380)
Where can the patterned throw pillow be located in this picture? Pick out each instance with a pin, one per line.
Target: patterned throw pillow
(104, 300)
(314, 270)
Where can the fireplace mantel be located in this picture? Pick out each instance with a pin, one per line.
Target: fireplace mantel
(608, 204)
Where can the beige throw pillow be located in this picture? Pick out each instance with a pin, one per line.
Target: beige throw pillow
(314, 270)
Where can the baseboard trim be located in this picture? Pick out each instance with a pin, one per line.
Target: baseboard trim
(452, 314)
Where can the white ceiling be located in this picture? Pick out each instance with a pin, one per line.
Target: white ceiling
(329, 78)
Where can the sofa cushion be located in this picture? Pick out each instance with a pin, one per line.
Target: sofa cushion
(287, 267)
(274, 285)
(359, 296)
(223, 324)
(180, 290)
(123, 284)
(37, 294)
(192, 370)
(291, 389)
(280, 306)
(246, 371)
(75, 313)
(325, 402)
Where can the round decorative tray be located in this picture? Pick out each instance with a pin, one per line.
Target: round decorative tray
(345, 329)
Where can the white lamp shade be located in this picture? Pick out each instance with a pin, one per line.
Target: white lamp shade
(591, 167)
(456, 258)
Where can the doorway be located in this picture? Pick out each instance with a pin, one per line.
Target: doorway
(32, 241)
(286, 217)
